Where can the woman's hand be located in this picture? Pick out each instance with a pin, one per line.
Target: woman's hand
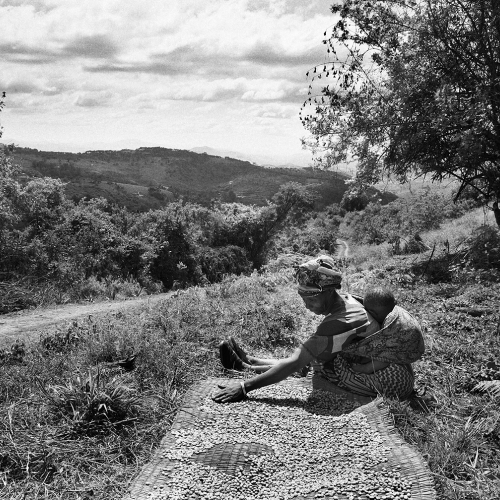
(228, 393)
(232, 390)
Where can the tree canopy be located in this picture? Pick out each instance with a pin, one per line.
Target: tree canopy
(410, 88)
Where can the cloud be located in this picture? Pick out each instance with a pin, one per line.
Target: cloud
(92, 47)
(96, 46)
(206, 91)
(275, 110)
(261, 61)
(25, 54)
(240, 64)
(19, 87)
(37, 5)
(31, 85)
(272, 90)
(279, 8)
(184, 60)
(269, 55)
(93, 99)
(226, 89)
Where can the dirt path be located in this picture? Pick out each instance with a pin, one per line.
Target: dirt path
(27, 325)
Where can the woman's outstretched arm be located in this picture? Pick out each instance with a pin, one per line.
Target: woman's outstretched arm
(233, 390)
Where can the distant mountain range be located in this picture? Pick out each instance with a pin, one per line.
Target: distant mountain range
(302, 159)
(148, 177)
(294, 161)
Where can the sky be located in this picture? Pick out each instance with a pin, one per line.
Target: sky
(112, 74)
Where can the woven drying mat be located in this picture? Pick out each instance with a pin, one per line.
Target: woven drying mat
(412, 465)
(232, 459)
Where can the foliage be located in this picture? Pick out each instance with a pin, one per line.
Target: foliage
(59, 250)
(65, 171)
(410, 87)
(215, 263)
(15, 295)
(353, 201)
(169, 255)
(489, 386)
(138, 179)
(92, 404)
(403, 218)
(316, 234)
(255, 228)
(484, 249)
(46, 454)
(28, 212)
(356, 199)
(475, 259)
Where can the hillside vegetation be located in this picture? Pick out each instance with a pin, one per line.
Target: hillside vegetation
(149, 178)
(83, 409)
(56, 250)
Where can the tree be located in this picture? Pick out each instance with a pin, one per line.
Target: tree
(287, 207)
(413, 89)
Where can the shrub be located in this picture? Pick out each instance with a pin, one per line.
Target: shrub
(315, 234)
(89, 289)
(15, 295)
(484, 249)
(404, 217)
(217, 262)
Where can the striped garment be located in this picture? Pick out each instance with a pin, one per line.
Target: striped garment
(347, 321)
(395, 381)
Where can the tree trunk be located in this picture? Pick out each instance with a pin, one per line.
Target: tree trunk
(496, 211)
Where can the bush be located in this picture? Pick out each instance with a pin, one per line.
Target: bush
(484, 249)
(15, 295)
(403, 218)
(217, 262)
(315, 234)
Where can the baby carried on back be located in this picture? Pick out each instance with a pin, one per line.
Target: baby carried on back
(399, 339)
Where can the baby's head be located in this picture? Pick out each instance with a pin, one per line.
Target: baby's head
(379, 302)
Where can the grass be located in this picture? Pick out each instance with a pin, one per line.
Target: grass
(26, 293)
(74, 425)
(456, 428)
(452, 236)
(418, 186)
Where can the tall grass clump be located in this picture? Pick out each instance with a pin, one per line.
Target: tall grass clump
(454, 424)
(92, 403)
(78, 418)
(455, 232)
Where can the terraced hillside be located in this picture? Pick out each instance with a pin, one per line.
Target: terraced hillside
(150, 177)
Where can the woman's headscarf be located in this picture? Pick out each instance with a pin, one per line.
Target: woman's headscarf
(318, 274)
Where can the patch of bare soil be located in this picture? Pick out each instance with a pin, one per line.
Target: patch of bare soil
(26, 326)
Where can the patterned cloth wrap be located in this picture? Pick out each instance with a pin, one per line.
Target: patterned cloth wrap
(317, 274)
(399, 340)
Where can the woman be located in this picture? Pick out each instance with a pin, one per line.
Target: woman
(345, 321)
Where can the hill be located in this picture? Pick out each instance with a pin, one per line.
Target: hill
(418, 186)
(147, 178)
(300, 160)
